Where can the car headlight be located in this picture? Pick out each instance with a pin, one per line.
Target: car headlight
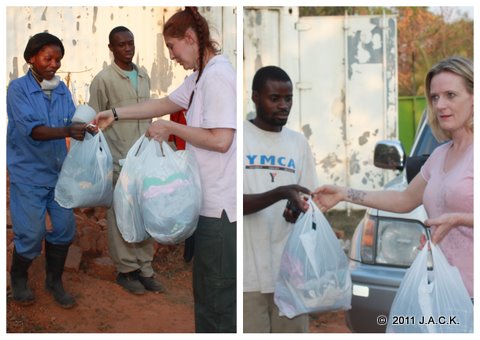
(398, 241)
(391, 241)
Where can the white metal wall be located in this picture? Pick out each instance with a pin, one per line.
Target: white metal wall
(344, 74)
(84, 33)
(268, 39)
(347, 101)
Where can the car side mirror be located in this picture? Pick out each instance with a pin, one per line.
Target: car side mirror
(389, 155)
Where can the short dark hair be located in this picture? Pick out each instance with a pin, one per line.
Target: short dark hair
(116, 30)
(38, 41)
(268, 73)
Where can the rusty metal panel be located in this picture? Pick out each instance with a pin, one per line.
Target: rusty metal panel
(84, 32)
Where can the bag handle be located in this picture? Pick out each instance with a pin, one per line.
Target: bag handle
(140, 142)
(103, 145)
(167, 150)
(429, 246)
(162, 148)
(428, 232)
(312, 209)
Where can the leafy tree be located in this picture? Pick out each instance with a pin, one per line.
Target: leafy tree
(423, 37)
(356, 10)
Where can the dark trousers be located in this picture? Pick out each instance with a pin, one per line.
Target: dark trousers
(214, 275)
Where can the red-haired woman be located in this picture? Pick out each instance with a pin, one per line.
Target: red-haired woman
(209, 96)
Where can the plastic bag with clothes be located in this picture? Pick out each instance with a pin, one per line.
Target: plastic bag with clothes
(171, 194)
(86, 176)
(314, 274)
(431, 298)
(125, 196)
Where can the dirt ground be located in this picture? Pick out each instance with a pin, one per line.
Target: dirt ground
(104, 307)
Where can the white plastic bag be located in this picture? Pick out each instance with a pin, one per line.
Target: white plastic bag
(86, 176)
(84, 114)
(125, 196)
(171, 194)
(431, 301)
(314, 274)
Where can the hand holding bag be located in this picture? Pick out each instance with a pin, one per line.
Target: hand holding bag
(314, 274)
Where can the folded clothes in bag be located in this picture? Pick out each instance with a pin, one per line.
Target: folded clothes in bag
(86, 176)
(126, 194)
(314, 274)
(170, 198)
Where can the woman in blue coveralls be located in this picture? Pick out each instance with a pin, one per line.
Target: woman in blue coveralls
(40, 108)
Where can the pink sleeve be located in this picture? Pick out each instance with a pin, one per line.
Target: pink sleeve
(433, 160)
(426, 168)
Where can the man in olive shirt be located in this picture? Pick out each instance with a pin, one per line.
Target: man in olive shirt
(121, 84)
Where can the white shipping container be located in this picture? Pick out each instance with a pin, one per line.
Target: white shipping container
(344, 71)
(84, 32)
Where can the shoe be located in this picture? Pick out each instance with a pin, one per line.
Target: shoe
(22, 294)
(151, 284)
(130, 282)
(55, 256)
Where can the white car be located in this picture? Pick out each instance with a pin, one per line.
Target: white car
(385, 244)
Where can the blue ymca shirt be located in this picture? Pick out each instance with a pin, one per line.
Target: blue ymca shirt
(31, 161)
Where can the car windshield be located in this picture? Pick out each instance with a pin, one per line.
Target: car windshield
(426, 143)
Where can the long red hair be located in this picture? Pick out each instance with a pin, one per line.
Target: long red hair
(180, 22)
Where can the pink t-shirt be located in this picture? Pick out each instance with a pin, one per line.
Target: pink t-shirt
(447, 192)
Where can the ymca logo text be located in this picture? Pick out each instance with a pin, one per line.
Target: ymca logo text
(270, 162)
